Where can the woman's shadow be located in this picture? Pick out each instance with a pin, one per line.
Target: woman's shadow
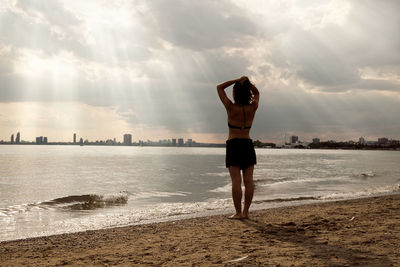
(306, 236)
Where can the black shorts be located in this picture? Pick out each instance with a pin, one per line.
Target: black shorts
(240, 152)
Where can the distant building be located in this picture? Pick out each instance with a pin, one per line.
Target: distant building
(316, 140)
(127, 139)
(18, 139)
(361, 141)
(109, 142)
(12, 139)
(180, 142)
(173, 141)
(74, 138)
(294, 139)
(394, 142)
(383, 141)
(39, 140)
(189, 142)
(45, 140)
(81, 141)
(371, 143)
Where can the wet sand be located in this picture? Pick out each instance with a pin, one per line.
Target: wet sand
(361, 232)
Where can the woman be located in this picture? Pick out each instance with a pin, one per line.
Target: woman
(240, 154)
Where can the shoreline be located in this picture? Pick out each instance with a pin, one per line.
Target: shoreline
(361, 231)
(258, 205)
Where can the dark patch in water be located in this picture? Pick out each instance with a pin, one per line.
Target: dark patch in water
(87, 202)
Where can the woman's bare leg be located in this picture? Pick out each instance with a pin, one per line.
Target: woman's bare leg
(236, 178)
(249, 190)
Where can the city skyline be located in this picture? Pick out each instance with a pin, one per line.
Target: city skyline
(326, 69)
(127, 139)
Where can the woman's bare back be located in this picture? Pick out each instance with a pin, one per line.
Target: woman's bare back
(241, 118)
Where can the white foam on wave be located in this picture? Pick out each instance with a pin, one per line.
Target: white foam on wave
(272, 183)
(284, 182)
(222, 189)
(364, 193)
(152, 194)
(74, 202)
(299, 180)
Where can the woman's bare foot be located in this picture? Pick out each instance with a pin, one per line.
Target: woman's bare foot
(236, 216)
(245, 216)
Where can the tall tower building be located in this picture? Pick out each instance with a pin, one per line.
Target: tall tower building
(361, 140)
(294, 139)
(18, 138)
(12, 138)
(180, 142)
(74, 138)
(127, 139)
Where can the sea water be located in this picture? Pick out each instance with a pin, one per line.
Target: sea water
(48, 190)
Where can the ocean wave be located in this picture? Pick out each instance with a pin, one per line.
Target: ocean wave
(163, 194)
(366, 174)
(88, 202)
(284, 181)
(222, 189)
(228, 187)
(364, 193)
(74, 202)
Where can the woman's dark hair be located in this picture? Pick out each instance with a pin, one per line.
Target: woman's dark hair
(242, 93)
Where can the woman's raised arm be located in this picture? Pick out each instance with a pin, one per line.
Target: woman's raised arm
(221, 90)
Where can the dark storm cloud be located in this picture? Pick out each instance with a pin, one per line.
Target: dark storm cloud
(199, 25)
(21, 31)
(318, 64)
(331, 56)
(377, 42)
(379, 85)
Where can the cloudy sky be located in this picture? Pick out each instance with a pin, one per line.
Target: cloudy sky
(327, 69)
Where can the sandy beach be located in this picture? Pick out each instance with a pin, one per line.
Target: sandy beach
(360, 232)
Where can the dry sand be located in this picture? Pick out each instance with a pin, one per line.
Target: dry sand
(362, 232)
